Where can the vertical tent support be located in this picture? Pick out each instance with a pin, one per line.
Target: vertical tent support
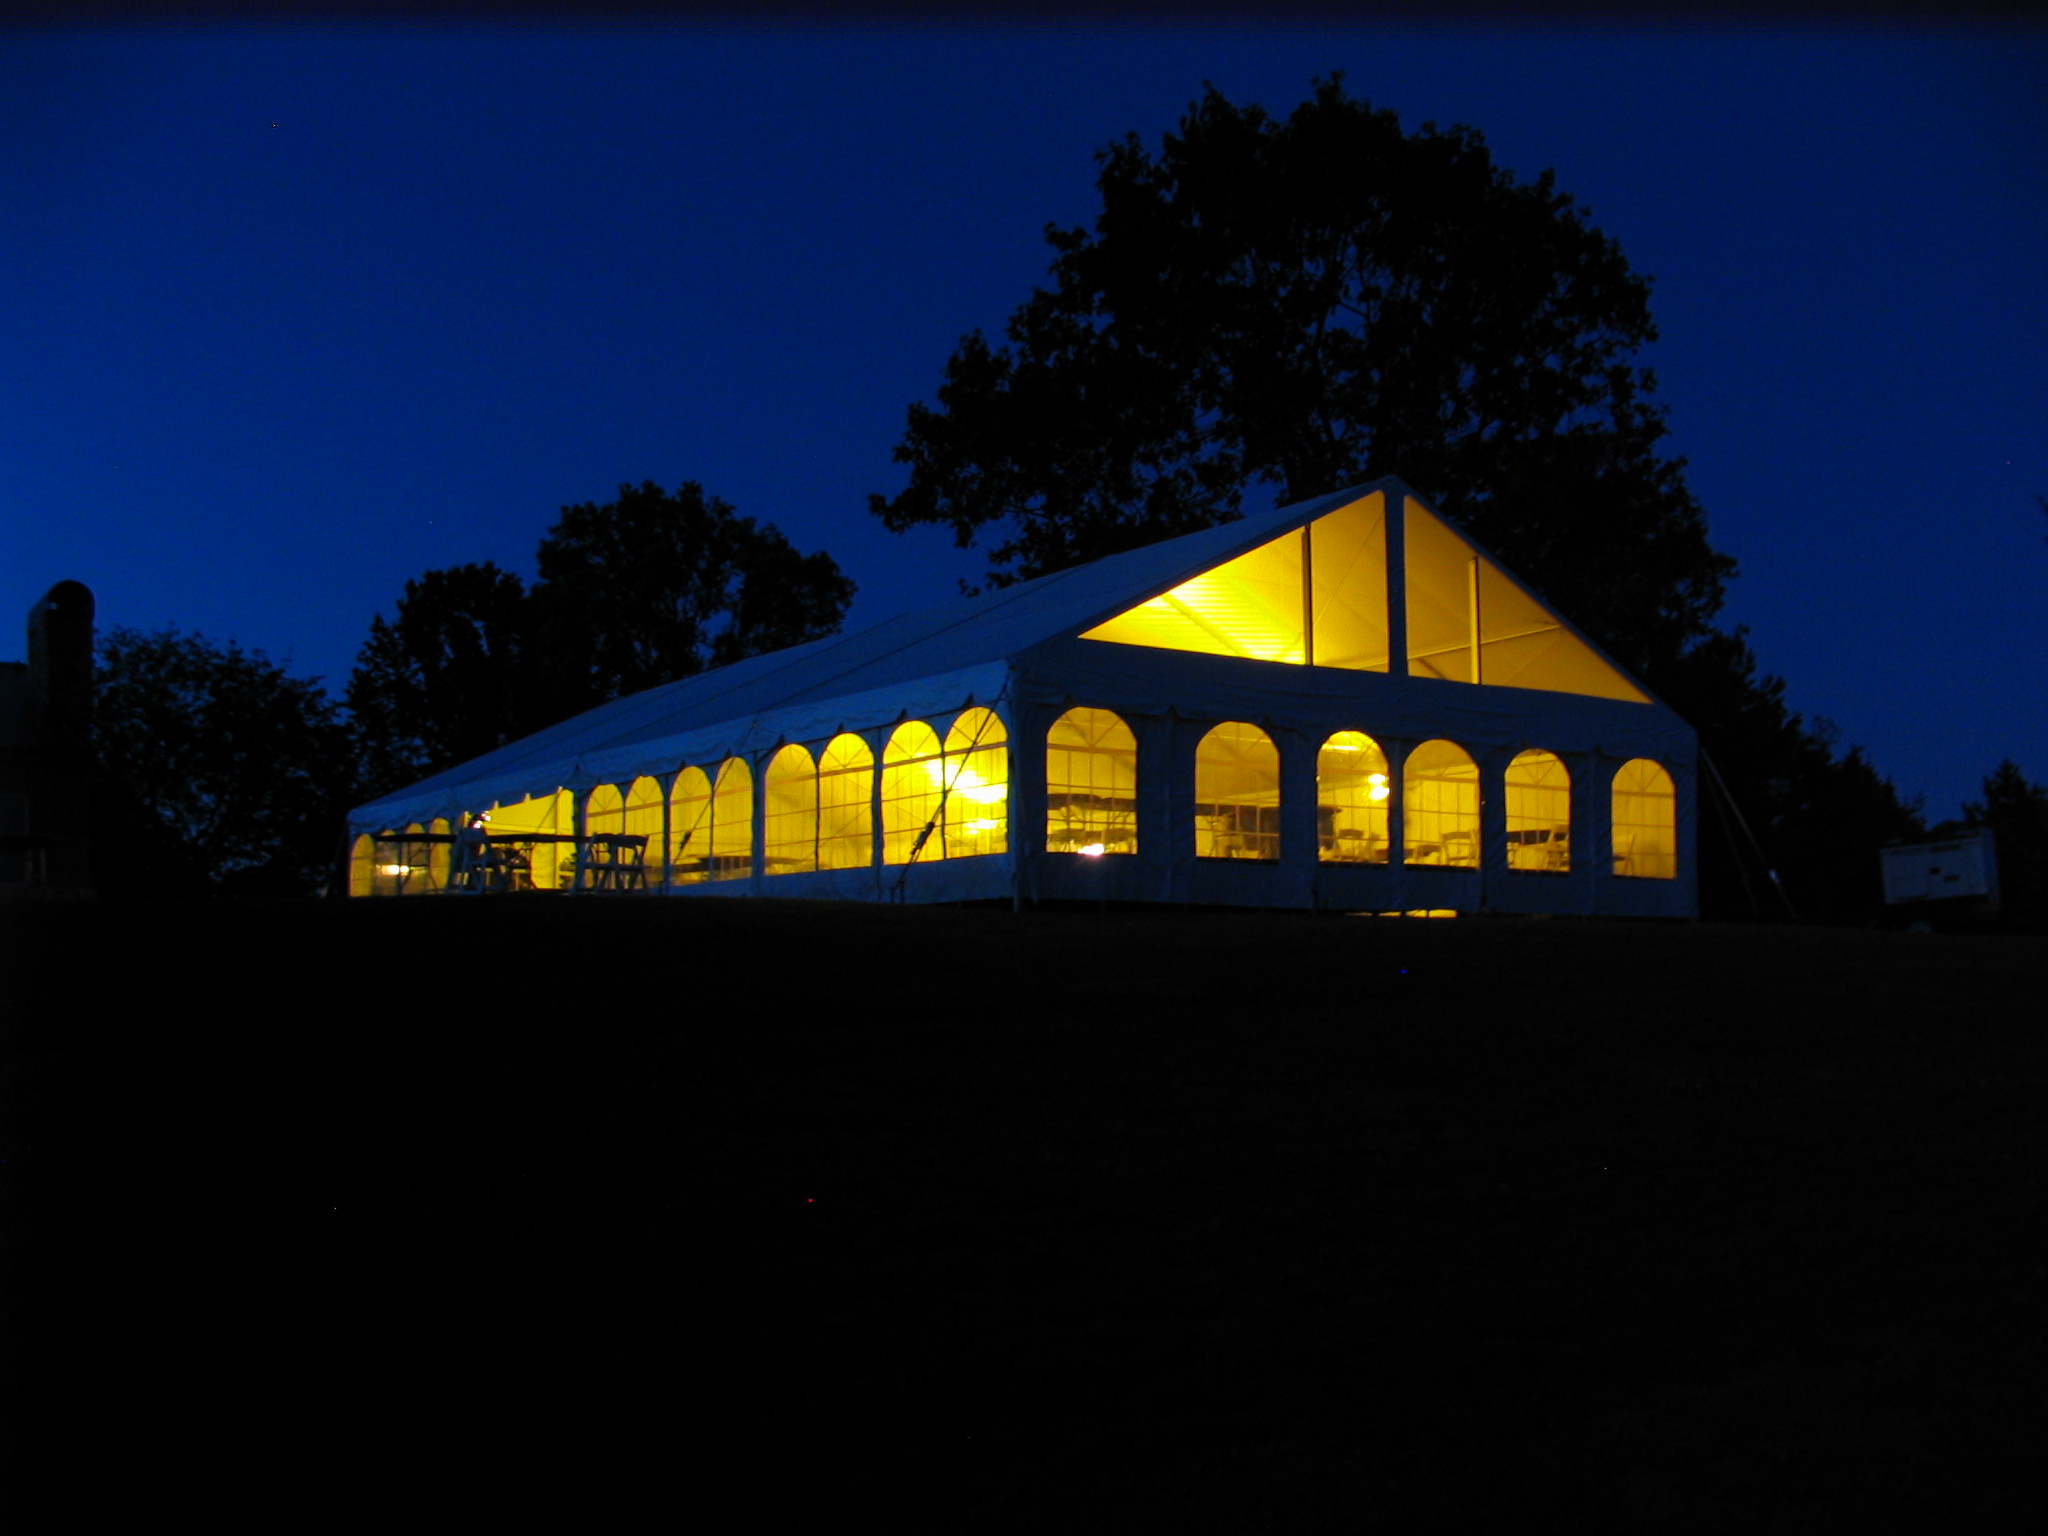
(1472, 611)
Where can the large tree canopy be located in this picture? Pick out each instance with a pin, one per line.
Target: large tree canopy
(1311, 303)
(653, 587)
(445, 680)
(632, 594)
(229, 771)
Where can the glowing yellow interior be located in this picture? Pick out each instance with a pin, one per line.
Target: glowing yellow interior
(1250, 606)
(1091, 784)
(549, 866)
(1254, 605)
(1539, 812)
(1440, 806)
(846, 819)
(1352, 792)
(1348, 556)
(1319, 595)
(977, 777)
(711, 824)
(949, 802)
(789, 842)
(1464, 610)
(1645, 821)
(1237, 794)
(913, 767)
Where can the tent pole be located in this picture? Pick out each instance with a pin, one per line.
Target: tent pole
(1308, 599)
(1743, 821)
(1472, 611)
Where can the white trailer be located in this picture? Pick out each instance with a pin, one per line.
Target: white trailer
(1959, 869)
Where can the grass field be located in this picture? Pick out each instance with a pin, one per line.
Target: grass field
(613, 1213)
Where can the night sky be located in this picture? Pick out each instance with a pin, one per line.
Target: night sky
(294, 314)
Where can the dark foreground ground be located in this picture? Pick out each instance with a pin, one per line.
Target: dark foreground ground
(708, 1214)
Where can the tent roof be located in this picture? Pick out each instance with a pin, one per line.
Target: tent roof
(915, 663)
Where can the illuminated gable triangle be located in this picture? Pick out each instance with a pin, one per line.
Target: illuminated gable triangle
(1460, 602)
(1252, 605)
(1462, 608)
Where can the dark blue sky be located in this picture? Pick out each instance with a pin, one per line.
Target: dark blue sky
(294, 314)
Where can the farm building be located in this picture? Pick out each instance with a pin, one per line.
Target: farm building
(46, 757)
(1340, 704)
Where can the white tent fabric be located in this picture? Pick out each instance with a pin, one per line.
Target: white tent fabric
(1019, 652)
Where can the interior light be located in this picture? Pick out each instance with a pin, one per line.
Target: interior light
(1093, 850)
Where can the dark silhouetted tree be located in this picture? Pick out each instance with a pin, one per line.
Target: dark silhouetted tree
(654, 587)
(444, 681)
(2016, 811)
(1310, 303)
(227, 772)
(632, 594)
(1818, 818)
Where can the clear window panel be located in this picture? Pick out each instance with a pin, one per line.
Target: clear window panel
(1466, 613)
(1250, 606)
(846, 817)
(732, 821)
(1352, 795)
(440, 854)
(1539, 813)
(1645, 821)
(1440, 806)
(1348, 550)
(977, 786)
(407, 869)
(790, 817)
(642, 818)
(1091, 784)
(913, 772)
(362, 867)
(1237, 794)
(604, 813)
(689, 822)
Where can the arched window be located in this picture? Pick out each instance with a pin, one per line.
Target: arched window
(362, 866)
(977, 786)
(732, 821)
(1237, 794)
(1645, 821)
(846, 817)
(1091, 784)
(642, 818)
(790, 818)
(1440, 806)
(689, 828)
(409, 863)
(1352, 791)
(913, 768)
(1539, 812)
(604, 813)
(440, 854)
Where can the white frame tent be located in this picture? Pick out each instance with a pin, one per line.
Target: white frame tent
(1280, 626)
